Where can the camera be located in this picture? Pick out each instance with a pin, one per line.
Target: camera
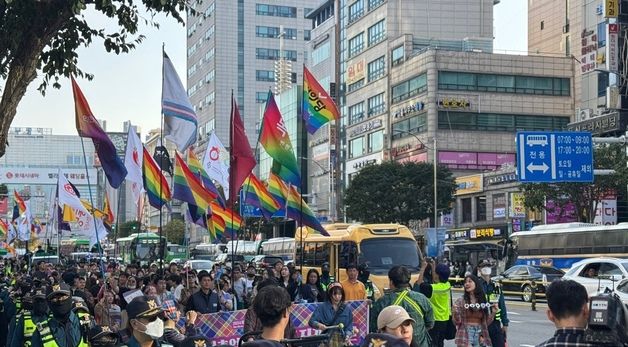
(607, 321)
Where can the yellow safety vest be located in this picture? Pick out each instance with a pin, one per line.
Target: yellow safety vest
(403, 296)
(18, 305)
(48, 339)
(29, 328)
(494, 298)
(440, 301)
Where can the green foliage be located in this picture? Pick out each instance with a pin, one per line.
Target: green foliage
(42, 36)
(175, 231)
(128, 228)
(4, 191)
(584, 196)
(395, 192)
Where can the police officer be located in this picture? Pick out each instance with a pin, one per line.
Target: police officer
(144, 322)
(63, 329)
(24, 324)
(498, 329)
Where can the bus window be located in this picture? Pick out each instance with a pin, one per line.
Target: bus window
(322, 253)
(381, 254)
(348, 254)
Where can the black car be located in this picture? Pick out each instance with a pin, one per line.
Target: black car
(519, 279)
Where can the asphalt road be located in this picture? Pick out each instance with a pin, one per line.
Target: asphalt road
(527, 328)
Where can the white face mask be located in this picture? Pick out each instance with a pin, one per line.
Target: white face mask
(154, 329)
(485, 271)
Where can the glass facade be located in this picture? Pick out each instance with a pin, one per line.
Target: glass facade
(356, 10)
(554, 86)
(276, 11)
(376, 105)
(356, 44)
(413, 125)
(498, 122)
(321, 53)
(377, 68)
(377, 32)
(409, 88)
(356, 112)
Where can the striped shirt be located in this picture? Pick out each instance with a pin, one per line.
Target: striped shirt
(567, 337)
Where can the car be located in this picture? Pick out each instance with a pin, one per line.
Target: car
(227, 259)
(519, 279)
(622, 291)
(199, 265)
(597, 274)
(264, 261)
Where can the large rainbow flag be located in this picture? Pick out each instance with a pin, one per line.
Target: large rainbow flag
(155, 183)
(20, 202)
(197, 168)
(278, 189)
(256, 194)
(318, 107)
(224, 216)
(299, 211)
(4, 228)
(188, 187)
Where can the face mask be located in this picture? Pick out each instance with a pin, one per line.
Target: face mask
(40, 307)
(486, 271)
(154, 329)
(131, 286)
(61, 309)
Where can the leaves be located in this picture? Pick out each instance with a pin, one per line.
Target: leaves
(395, 192)
(175, 231)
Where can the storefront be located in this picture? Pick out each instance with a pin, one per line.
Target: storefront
(476, 244)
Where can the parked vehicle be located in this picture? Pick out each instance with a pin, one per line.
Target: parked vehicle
(622, 291)
(264, 261)
(229, 259)
(519, 278)
(597, 274)
(199, 265)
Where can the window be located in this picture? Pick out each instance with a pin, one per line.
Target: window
(536, 85)
(601, 34)
(499, 122)
(374, 3)
(376, 141)
(376, 68)
(377, 32)
(602, 83)
(210, 76)
(356, 85)
(413, 125)
(542, 25)
(276, 11)
(210, 98)
(210, 54)
(356, 147)
(210, 9)
(260, 97)
(480, 208)
(192, 50)
(376, 105)
(192, 70)
(210, 32)
(356, 112)
(356, 44)
(321, 53)
(274, 32)
(356, 10)
(409, 88)
(265, 75)
(307, 35)
(397, 56)
(314, 253)
(348, 254)
(273, 54)
(306, 10)
(466, 210)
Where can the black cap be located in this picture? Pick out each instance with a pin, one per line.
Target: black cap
(40, 293)
(383, 340)
(143, 307)
(98, 331)
(57, 289)
(196, 341)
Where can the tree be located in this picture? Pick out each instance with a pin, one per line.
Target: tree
(128, 228)
(44, 35)
(4, 191)
(175, 231)
(584, 196)
(395, 192)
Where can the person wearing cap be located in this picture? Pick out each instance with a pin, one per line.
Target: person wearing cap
(326, 279)
(171, 332)
(145, 324)
(499, 327)
(23, 325)
(396, 321)
(333, 312)
(383, 340)
(416, 304)
(102, 336)
(63, 328)
(439, 293)
(205, 300)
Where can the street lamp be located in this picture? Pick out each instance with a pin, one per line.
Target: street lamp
(435, 164)
(331, 202)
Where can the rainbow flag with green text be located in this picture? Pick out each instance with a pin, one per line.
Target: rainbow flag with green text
(302, 214)
(275, 139)
(256, 194)
(318, 107)
(155, 183)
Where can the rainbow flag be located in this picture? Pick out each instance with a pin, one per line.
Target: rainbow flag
(318, 107)
(276, 141)
(4, 228)
(278, 189)
(155, 183)
(302, 214)
(195, 165)
(188, 187)
(216, 226)
(256, 194)
(231, 220)
(21, 205)
(109, 218)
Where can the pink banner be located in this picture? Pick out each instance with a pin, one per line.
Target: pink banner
(475, 160)
(566, 214)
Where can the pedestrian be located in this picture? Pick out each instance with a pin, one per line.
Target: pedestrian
(106, 311)
(354, 289)
(145, 325)
(277, 268)
(415, 303)
(396, 321)
(499, 327)
(225, 294)
(239, 288)
(252, 322)
(23, 325)
(102, 336)
(272, 307)
(287, 282)
(312, 290)
(205, 300)
(473, 314)
(440, 298)
(325, 277)
(568, 309)
(333, 312)
(64, 327)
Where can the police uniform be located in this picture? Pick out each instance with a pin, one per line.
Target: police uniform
(143, 307)
(55, 333)
(24, 324)
(494, 295)
(417, 306)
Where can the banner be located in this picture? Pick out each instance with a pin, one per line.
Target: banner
(517, 205)
(226, 328)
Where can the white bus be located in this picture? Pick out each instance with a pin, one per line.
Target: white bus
(280, 247)
(207, 250)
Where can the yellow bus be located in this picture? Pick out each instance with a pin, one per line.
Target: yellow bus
(379, 246)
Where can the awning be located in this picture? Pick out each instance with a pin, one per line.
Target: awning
(459, 243)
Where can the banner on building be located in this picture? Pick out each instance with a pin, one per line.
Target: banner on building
(611, 8)
(517, 205)
(226, 328)
(499, 206)
(606, 211)
(612, 47)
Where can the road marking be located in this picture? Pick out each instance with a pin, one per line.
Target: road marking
(525, 345)
(515, 321)
(515, 313)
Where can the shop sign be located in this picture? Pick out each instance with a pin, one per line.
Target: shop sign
(612, 39)
(517, 205)
(364, 163)
(499, 206)
(481, 233)
(408, 147)
(469, 184)
(407, 110)
(611, 8)
(599, 125)
(503, 178)
(588, 51)
(458, 234)
(355, 72)
(451, 102)
(364, 127)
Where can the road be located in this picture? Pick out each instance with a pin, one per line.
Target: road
(527, 327)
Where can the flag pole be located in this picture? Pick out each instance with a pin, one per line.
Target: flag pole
(115, 230)
(91, 201)
(231, 178)
(161, 140)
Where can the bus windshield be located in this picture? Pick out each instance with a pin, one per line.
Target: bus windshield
(146, 251)
(382, 254)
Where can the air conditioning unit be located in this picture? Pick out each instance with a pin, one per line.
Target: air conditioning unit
(583, 114)
(565, 28)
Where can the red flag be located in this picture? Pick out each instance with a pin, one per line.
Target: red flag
(242, 157)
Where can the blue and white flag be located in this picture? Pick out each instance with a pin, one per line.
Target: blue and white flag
(180, 122)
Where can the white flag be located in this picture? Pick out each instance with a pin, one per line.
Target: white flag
(133, 160)
(102, 233)
(12, 233)
(67, 196)
(23, 228)
(216, 162)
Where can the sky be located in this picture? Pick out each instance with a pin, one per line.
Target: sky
(128, 86)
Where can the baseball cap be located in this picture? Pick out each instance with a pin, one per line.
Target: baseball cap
(98, 331)
(57, 289)
(383, 340)
(143, 307)
(442, 271)
(392, 317)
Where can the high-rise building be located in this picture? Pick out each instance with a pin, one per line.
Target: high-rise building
(232, 48)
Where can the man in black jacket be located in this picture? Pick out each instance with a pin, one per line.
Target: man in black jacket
(206, 300)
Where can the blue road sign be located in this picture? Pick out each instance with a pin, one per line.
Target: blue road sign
(554, 156)
(248, 210)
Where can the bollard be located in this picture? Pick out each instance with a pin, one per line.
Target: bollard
(533, 284)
